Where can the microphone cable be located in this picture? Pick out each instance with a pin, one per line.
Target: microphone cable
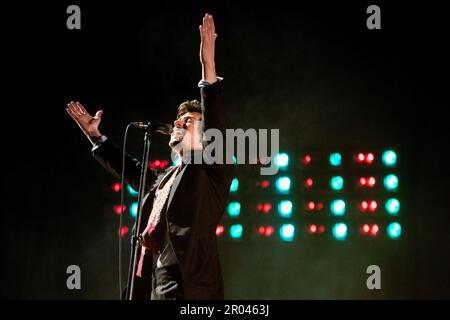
(122, 185)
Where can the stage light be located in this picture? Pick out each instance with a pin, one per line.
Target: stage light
(362, 182)
(134, 209)
(335, 159)
(389, 158)
(285, 208)
(312, 229)
(365, 229)
(123, 231)
(131, 191)
(310, 206)
(340, 231)
(308, 183)
(363, 206)
(263, 184)
(369, 158)
(360, 157)
(371, 181)
(269, 231)
(287, 232)
(374, 230)
(338, 207)
(394, 230)
(234, 209)
(337, 183)
(116, 187)
(158, 164)
(176, 161)
(236, 231)
(391, 182)
(234, 185)
(234, 160)
(282, 160)
(264, 207)
(392, 206)
(283, 184)
(219, 230)
(373, 205)
(118, 209)
(307, 159)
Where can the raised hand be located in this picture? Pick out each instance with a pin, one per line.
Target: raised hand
(208, 37)
(87, 123)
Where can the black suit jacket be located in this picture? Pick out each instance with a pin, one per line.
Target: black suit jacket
(195, 206)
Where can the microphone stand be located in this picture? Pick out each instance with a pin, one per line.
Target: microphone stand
(135, 238)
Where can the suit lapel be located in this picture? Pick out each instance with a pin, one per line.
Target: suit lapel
(174, 187)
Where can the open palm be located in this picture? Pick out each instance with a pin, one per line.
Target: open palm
(88, 124)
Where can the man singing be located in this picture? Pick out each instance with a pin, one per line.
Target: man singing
(183, 204)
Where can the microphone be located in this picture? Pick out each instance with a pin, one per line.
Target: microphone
(162, 128)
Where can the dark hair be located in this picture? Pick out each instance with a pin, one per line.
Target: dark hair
(189, 106)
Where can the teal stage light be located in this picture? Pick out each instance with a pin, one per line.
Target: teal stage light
(236, 231)
(338, 207)
(283, 184)
(392, 206)
(340, 231)
(134, 209)
(335, 159)
(391, 182)
(131, 191)
(282, 160)
(337, 183)
(234, 209)
(389, 158)
(287, 232)
(285, 208)
(394, 230)
(234, 185)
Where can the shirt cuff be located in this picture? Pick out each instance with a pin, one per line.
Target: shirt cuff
(99, 141)
(203, 83)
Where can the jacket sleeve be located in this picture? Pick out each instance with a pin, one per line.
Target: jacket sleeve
(214, 117)
(109, 155)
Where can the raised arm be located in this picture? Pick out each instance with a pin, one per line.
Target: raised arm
(105, 151)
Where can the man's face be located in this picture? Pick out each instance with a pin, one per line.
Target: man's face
(186, 133)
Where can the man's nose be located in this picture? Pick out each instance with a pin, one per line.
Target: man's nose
(179, 123)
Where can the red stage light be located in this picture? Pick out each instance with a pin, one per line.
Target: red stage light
(116, 187)
(360, 157)
(263, 184)
(309, 182)
(267, 207)
(321, 229)
(374, 230)
(118, 210)
(373, 205)
(369, 158)
(307, 159)
(365, 229)
(269, 231)
(261, 230)
(219, 230)
(312, 228)
(123, 231)
(319, 206)
(362, 181)
(363, 206)
(311, 205)
(371, 182)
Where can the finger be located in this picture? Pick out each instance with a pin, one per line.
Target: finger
(98, 114)
(77, 106)
(71, 113)
(200, 28)
(213, 26)
(80, 106)
(74, 109)
(205, 24)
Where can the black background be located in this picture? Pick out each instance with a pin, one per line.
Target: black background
(314, 71)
